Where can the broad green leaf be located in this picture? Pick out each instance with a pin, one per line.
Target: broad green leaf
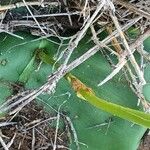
(146, 91)
(27, 71)
(83, 115)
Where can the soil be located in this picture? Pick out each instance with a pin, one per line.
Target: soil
(145, 143)
(31, 131)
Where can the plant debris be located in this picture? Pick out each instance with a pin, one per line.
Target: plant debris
(32, 128)
(145, 142)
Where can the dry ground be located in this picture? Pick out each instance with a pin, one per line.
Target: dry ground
(31, 129)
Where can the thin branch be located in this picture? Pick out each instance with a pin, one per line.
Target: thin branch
(3, 124)
(123, 61)
(41, 122)
(56, 130)
(133, 8)
(3, 143)
(74, 132)
(73, 44)
(57, 126)
(12, 141)
(132, 58)
(12, 34)
(33, 139)
(144, 53)
(21, 4)
(53, 15)
(124, 28)
(33, 17)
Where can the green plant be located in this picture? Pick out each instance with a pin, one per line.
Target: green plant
(95, 128)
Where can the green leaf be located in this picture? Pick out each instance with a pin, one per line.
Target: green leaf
(146, 91)
(137, 117)
(27, 71)
(133, 32)
(85, 118)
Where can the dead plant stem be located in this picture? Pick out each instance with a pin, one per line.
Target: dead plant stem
(21, 4)
(133, 8)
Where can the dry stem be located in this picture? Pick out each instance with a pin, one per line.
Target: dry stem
(22, 4)
(133, 8)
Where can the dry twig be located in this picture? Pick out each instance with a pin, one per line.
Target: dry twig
(22, 4)
(133, 8)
